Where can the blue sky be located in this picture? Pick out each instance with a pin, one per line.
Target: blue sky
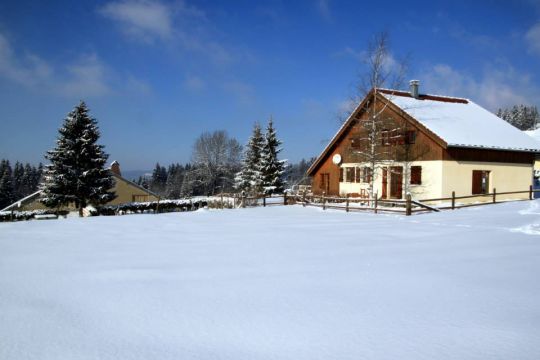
(158, 73)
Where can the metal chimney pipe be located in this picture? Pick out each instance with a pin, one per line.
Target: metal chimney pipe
(414, 88)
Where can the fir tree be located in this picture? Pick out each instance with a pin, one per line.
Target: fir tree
(76, 173)
(271, 167)
(250, 179)
(6, 185)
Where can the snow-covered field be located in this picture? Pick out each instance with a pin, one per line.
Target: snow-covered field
(274, 283)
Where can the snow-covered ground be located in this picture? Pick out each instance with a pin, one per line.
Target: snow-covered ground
(274, 283)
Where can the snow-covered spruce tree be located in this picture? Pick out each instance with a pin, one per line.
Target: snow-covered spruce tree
(272, 168)
(76, 173)
(249, 179)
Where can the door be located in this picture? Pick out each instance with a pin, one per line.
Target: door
(480, 182)
(324, 184)
(384, 183)
(396, 182)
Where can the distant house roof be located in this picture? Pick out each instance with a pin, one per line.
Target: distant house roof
(462, 123)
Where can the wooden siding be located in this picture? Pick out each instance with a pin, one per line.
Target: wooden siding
(488, 155)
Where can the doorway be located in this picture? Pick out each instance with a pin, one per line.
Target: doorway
(480, 182)
(396, 182)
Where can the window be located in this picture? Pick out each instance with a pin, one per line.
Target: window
(355, 143)
(350, 175)
(385, 137)
(340, 174)
(416, 175)
(366, 174)
(358, 174)
(410, 137)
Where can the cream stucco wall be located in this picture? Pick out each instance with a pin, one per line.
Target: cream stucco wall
(125, 191)
(440, 178)
(457, 176)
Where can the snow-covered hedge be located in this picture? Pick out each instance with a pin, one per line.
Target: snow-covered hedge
(161, 206)
(27, 215)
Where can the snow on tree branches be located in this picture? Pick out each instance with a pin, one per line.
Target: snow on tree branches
(76, 174)
(272, 168)
(521, 116)
(250, 179)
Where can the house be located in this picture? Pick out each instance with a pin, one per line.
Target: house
(126, 191)
(456, 146)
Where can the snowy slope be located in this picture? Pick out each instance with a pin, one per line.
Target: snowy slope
(468, 125)
(274, 283)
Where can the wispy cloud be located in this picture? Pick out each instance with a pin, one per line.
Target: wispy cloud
(84, 76)
(242, 91)
(142, 19)
(497, 87)
(323, 8)
(194, 83)
(27, 70)
(178, 25)
(533, 38)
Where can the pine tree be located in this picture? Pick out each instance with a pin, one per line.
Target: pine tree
(76, 173)
(18, 178)
(6, 185)
(272, 169)
(250, 179)
(159, 179)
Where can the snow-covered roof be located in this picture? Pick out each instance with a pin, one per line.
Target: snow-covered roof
(462, 123)
(535, 134)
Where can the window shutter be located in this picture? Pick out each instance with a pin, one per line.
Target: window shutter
(416, 175)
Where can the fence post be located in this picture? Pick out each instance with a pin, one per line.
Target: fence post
(376, 203)
(408, 205)
(453, 200)
(323, 201)
(157, 205)
(530, 192)
(222, 206)
(347, 205)
(285, 198)
(264, 200)
(304, 199)
(494, 195)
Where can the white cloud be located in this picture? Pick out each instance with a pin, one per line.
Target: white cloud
(497, 87)
(533, 38)
(142, 19)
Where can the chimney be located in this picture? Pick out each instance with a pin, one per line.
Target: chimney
(414, 85)
(115, 168)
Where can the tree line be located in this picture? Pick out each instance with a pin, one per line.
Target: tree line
(18, 181)
(521, 116)
(220, 164)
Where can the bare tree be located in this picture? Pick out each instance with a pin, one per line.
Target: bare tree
(371, 146)
(216, 159)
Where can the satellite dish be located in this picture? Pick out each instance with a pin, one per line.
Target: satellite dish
(336, 159)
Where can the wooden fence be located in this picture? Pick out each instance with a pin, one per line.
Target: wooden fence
(408, 206)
